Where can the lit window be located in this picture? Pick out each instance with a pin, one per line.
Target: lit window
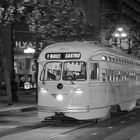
(104, 58)
(109, 58)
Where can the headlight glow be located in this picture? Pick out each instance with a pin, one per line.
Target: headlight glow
(59, 97)
(43, 90)
(79, 91)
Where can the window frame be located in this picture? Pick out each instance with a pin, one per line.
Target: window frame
(44, 71)
(74, 79)
(98, 71)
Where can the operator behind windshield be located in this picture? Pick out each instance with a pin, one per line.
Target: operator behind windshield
(74, 70)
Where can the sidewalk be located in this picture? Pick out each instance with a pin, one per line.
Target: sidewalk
(27, 102)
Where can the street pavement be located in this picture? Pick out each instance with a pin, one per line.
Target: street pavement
(26, 102)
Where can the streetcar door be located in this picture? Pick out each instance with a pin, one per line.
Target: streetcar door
(97, 87)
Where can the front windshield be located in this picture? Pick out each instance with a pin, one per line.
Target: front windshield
(74, 70)
(51, 71)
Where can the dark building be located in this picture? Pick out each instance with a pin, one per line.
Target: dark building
(103, 14)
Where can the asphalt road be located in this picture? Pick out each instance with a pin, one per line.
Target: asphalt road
(26, 126)
(24, 123)
(18, 122)
(124, 126)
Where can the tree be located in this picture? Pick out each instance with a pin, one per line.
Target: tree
(51, 20)
(56, 20)
(9, 13)
(108, 24)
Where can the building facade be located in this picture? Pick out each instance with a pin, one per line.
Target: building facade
(21, 55)
(24, 56)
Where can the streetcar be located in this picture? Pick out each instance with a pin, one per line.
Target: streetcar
(86, 80)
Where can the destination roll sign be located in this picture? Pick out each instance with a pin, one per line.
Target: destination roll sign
(70, 55)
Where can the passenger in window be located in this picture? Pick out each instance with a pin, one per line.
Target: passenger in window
(51, 76)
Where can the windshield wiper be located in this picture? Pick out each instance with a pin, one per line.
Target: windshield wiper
(72, 82)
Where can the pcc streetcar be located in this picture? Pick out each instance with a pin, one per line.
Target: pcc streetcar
(86, 80)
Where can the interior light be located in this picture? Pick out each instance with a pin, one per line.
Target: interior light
(29, 50)
(103, 58)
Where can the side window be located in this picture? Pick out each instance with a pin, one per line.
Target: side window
(94, 71)
(110, 75)
(104, 74)
(138, 76)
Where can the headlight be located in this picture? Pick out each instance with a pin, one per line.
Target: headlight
(59, 97)
(43, 90)
(79, 91)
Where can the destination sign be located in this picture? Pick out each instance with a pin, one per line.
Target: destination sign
(70, 55)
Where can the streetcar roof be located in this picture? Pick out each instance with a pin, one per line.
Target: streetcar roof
(87, 49)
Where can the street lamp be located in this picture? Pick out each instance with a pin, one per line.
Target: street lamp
(119, 34)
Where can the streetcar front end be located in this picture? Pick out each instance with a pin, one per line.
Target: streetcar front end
(63, 86)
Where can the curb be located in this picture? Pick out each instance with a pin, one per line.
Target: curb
(17, 110)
